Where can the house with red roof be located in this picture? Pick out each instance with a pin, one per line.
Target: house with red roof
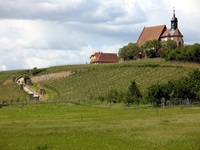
(100, 57)
(161, 33)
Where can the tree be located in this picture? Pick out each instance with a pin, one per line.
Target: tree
(189, 53)
(169, 44)
(114, 96)
(154, 94)
(129, 52)
(193, 53)
(152, 48)
(194, 80)
(185, 88)
(133, 94)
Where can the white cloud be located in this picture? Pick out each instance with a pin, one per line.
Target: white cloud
(46, 33)
(3, 68)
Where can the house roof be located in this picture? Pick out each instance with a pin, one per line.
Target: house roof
(151, 33)
(106, 57)
(172, 33)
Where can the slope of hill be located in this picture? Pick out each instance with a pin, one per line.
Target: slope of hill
(9, 91)
(88, 82)
(91, 81)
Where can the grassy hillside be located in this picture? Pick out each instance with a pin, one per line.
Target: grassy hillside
(91, 81)
(9, 91)
(67, 126)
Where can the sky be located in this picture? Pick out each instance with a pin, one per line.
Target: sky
(45, 33)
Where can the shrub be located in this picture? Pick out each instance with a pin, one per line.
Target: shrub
(36, 71)
(133, 95)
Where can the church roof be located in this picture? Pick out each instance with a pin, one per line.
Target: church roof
(151, 33)
(172, 33)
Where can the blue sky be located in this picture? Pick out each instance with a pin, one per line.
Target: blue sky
(44, 33)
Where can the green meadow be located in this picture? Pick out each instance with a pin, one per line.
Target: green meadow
(71, 117)
(58, 126)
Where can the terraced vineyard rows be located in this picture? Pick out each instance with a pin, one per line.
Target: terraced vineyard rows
(97, 80)
(91, 81)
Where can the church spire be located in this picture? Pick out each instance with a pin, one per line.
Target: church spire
(174, 21)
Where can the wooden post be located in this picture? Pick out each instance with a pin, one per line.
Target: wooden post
(31, 96)
(13, 78)
(36, 98)
(42, 91)
(21, 86)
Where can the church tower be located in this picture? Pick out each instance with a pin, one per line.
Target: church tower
(173, 33)
(174, 21)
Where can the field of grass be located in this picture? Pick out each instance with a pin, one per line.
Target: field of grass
(68, 126)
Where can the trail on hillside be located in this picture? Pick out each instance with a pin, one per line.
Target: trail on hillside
(51, 76)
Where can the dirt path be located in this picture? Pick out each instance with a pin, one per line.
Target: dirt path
(51, 76)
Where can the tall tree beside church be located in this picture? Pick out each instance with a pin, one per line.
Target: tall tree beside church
(152, 48)
(169, 44)
(129, 52)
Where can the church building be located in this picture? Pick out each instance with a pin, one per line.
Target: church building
(161, 33)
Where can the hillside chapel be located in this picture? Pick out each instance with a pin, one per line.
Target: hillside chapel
(161, 33)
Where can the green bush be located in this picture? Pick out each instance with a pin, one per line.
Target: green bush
(36, 71)
(190, 53)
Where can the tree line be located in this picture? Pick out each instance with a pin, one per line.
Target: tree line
(187, 88)
(182, 89)
(167, 50)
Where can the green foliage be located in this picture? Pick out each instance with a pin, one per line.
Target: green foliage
(36, 71)
(154, 94)
(169, 44)
(190, 53)
(133, 94)
(152, 48)
(130, 52)
(114, 96)
(185, 88)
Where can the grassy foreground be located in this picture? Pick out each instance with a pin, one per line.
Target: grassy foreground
(69, 126)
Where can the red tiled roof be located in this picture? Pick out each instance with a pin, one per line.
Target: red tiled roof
(151, 33)
(106, 58)
(96, 54)
(172, 33)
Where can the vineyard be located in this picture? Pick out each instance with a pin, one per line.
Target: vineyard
(88, 82)
(91, 81)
